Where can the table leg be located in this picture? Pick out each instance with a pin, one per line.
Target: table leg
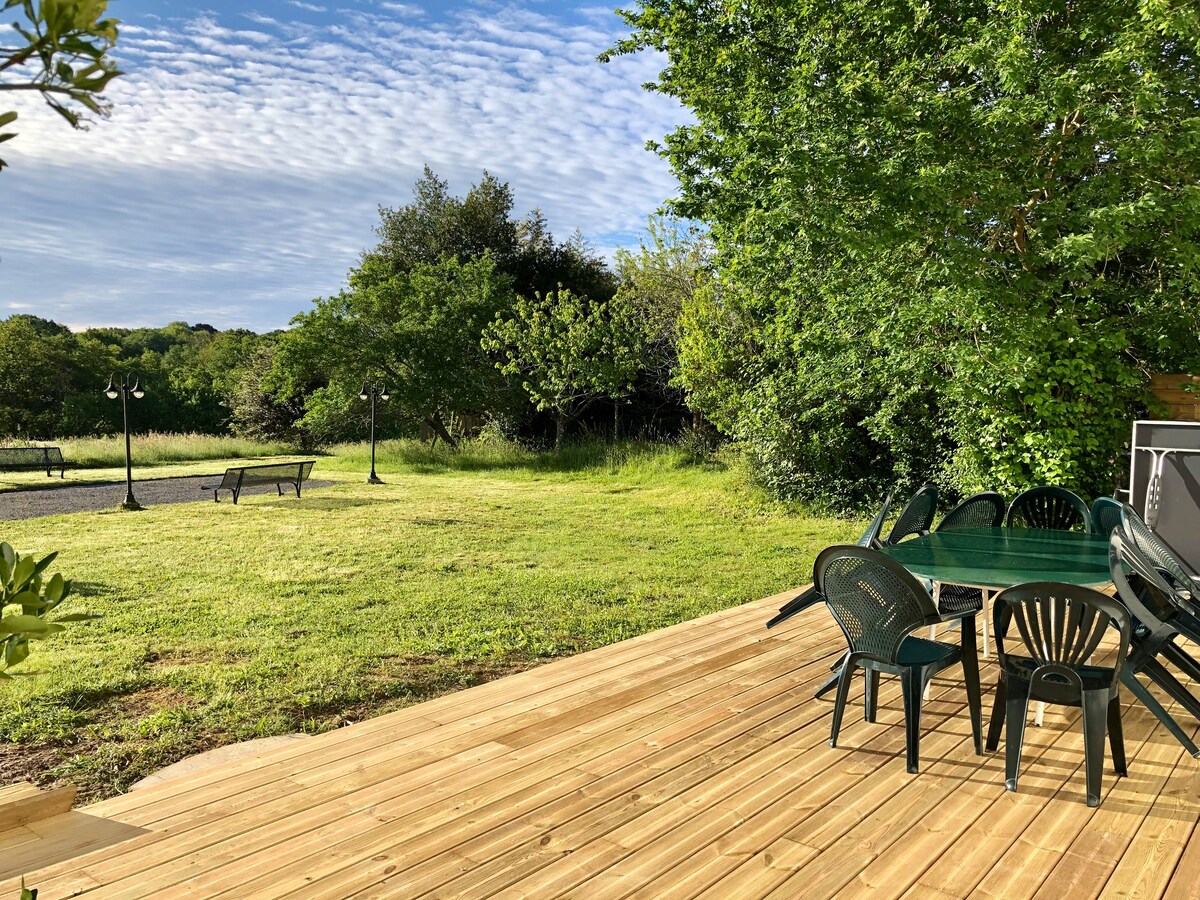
(937, 603)
(984, 615)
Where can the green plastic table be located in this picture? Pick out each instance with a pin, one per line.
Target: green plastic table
(993, 558)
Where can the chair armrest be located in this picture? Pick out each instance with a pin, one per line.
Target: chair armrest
(952, 616)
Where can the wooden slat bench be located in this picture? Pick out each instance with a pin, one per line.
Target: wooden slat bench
(48, 458)
(278, 474)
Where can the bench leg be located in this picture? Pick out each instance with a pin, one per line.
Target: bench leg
(297, 489)
(278, 489)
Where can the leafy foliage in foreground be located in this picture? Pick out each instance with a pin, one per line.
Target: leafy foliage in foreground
(65, 47)
(23, 587)
(953, 238)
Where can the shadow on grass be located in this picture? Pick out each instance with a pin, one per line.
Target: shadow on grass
(320, 503)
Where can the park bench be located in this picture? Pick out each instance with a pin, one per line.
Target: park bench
(48, 458)
(278, 474)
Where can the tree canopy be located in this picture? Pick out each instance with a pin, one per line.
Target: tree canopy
(952, 239)
(419, 330)
(567, 352)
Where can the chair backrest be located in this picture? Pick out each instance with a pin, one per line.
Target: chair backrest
(1156, 551)
(876, 601)
(870, 537)
(1052, 508)
(982, 510)
(1140, 586)
(916, 517)
(1060, 625)
(1106, 515)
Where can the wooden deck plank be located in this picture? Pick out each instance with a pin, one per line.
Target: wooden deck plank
(679, 747)
(687, 762)
(1093, 852)
(490, 701)
(649, 850)
(408, 729)
(1057, 830)
(240, 836)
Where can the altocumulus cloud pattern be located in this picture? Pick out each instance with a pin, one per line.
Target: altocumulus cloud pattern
(250, 148)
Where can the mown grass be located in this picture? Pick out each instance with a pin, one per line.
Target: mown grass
(223, 623)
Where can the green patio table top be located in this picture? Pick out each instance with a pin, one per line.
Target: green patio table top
(1001, 557)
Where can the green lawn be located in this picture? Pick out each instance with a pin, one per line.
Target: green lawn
(223, 623)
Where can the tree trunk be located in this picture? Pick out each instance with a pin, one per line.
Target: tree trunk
(439, 428)
(616, 420)
(560, 426)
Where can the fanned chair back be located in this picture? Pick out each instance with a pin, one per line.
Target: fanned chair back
(1106, 515)
(1051, 508)
(876, 601)
(1061, 625)
(917, 516)
(1156, 551)
(982, 510)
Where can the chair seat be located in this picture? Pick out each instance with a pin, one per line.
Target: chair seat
(956, 598)
(915, 651)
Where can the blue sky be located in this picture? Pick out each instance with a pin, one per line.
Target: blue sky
(251, 145)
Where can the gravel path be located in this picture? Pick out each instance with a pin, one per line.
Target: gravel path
(29, 503)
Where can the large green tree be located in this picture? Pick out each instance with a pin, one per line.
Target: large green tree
(59, 51)
(437, 225)
(567, 351)
(953, 238)
(657, 281)
(418, 330)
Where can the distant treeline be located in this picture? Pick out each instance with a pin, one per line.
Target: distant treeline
(471, 318)
(54, 378)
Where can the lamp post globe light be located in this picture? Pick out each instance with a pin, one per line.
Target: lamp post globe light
(371, 392)
(124, 390)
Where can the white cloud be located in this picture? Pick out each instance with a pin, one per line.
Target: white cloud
(241, 171)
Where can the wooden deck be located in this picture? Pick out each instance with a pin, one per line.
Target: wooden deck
(688, 762)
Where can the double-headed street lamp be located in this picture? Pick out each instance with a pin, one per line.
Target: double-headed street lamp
(370, 392)
(123, 390)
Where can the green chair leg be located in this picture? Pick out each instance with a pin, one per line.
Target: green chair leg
(839, 703)
(871, 695)
(1095, 719)
(1016, 709)
(913, 683)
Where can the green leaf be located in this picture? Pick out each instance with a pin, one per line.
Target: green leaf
(21, 624)
(57, 588)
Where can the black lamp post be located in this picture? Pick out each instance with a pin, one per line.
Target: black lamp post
(370, 392)
(123, 390)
